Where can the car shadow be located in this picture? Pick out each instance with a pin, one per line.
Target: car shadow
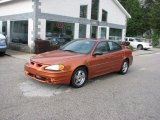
(32, 88)
(103, 77)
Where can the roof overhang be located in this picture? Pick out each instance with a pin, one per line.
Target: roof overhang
(3, 1)
(122, 8)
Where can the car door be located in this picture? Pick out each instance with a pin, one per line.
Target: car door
(100, 64)
(116, 54)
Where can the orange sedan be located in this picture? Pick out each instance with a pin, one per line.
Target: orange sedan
(78, 61)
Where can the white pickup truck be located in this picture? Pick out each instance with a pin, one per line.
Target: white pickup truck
(138, 44)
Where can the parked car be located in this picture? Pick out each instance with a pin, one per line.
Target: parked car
(58, 39)
(138, 43)
(3, 44)
(116, 38)
(78, 61)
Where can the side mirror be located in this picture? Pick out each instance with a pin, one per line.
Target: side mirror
(97, 53)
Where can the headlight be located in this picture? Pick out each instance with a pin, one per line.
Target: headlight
(55, 67)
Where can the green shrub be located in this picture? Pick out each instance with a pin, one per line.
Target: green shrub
(42, 46)
(130, 47)
(155, 39)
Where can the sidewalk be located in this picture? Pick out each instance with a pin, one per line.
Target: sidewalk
(26, 56)
(18, 54)
(143, 52)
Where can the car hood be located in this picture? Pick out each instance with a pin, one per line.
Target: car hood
(56, 57)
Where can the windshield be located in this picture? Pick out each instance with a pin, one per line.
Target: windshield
(79, 46)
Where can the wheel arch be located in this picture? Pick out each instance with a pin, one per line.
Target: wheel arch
(139, 45)
(82, 66)
(127, 59)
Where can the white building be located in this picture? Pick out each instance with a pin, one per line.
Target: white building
(25, 20)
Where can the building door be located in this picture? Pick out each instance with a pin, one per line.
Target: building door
(94, 31)
(103, 33)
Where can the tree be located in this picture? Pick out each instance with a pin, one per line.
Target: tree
(145, 17)
(153, 7)
(135, 25)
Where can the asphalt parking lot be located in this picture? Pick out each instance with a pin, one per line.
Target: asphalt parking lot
(134, 96)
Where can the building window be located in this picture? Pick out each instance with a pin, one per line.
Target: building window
(82, 31)
(94, 30)
(59, 33)
(104, 15)
(95, 9)
(19, 32)
(83, 11)
(115, 34)
(103, 33)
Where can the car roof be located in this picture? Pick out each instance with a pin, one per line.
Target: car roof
(94, 39)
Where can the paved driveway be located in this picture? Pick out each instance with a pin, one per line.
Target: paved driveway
(134, 96)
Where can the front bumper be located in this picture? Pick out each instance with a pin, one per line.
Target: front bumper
(3, 48)
(45, 76)
(148, 47)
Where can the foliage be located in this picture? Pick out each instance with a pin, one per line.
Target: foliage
(135, 24)
(42, 46)
(154, 16)
(155, 39)
(145, 17)
(153, 7)
(130, 47)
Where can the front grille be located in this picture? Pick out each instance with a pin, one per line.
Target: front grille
(37, 77)
(32, 63)
(39, 65)
(36, 64)
(40, 78)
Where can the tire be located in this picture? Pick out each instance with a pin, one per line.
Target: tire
(140, 47)
(124, 67)
(2, 53)
(146, 49)
(79, 77)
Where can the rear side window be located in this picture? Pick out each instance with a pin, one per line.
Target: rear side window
(114, 46)
(102, 47)
(130, 39)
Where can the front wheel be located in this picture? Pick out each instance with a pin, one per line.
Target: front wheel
(79, 77)
(2, 53)
(124, 67)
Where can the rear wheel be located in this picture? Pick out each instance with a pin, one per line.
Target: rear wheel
(79, 77)
(124, 67)
(140, 47)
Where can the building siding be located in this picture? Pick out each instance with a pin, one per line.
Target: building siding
(16, 7)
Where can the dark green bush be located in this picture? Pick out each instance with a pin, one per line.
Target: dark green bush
(125, 43)
(44, 46)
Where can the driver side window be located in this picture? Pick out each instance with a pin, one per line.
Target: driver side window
(102, 47)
